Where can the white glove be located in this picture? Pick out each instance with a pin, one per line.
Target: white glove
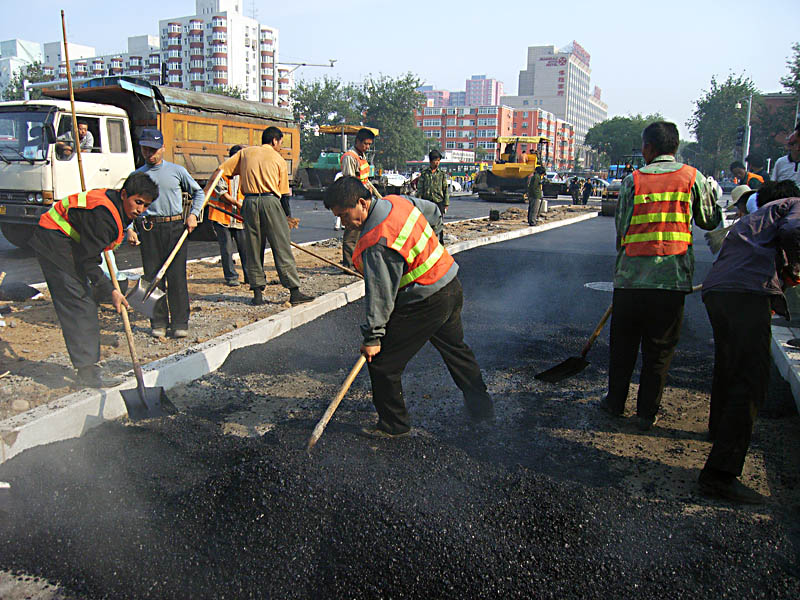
(714, 187)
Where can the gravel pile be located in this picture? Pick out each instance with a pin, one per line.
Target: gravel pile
(173, 509)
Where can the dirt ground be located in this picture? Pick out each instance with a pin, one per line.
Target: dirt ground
(33, 354)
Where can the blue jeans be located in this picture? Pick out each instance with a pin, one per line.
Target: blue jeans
(226, 237)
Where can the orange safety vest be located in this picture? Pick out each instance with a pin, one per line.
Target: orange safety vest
(221, 217)
(58, 216)
(750, 176)
(662, 213)
(363, 165)
(407, 232)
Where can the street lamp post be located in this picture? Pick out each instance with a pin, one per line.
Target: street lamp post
(746, 146)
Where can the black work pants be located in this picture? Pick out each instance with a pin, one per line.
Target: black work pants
(349, 240)
(742, 332)
(650, 319)
(438, 319)
(156, 245)
(76, 309)
(226, 236)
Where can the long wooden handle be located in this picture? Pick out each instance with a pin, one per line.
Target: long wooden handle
(603, 320)
(160, 275)
(330, 262)
(323, 422)
(137, 369)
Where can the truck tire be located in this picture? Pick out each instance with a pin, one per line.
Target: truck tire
(17, 234)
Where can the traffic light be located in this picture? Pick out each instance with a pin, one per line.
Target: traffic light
(740, 135)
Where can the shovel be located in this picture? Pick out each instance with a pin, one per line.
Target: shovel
(139, 299)
(143, 402)
(323, 422)
(575, 364)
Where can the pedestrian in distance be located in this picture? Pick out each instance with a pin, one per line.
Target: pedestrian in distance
(654, 267)
(412, 295)
(575, 190)
(587, 191)
(432, 185)
(535, 195)
(158, 230)
(787, 166)
(742, 290)
(264, 180)
(228, 196)
(755, 162)
(354, 163)
(68, 242)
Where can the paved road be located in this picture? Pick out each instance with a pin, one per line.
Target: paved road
(316, 223)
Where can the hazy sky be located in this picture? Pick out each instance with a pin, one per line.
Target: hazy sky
(645, 58)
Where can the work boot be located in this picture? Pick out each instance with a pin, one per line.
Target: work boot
(297, 297)
(713, 485)
(377, 433)
(92, 377)
(645, 423)
(258, 298)
(604, 405)
(181, 332)
(158, 332)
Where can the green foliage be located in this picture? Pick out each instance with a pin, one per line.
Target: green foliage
(716, 118)
(382, 102)
(325, 101)
(770, 126)
(34, 73)
(618, 137)
(390, 105)
(688, 152)
(232, 92)
(792, 81)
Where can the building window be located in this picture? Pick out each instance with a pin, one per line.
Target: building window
(433, 134)
(467, 123)
(451, 133)
(524, 124)
(485, 122)
(451, 122)
(451, 111)
(431, 122)
(487, 110)
(432, 111)
(450, 145)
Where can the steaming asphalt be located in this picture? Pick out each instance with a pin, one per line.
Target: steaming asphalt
(175, 508)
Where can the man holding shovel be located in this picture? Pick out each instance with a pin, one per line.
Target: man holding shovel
(654, 269)
(412, 295)
(68, 243)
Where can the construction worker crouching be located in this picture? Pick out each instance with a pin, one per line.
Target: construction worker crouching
(68, 243)
(412, 296)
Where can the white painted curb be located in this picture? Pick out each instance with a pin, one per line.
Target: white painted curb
(70, 416)
(787, 358)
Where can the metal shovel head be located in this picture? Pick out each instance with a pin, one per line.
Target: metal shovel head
(154, 404)
(572, 366)
(136, 298)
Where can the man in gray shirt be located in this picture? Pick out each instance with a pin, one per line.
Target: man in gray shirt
(159, 229)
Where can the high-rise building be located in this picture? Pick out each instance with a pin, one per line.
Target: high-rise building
(483, 90)
(435, 97)
(557, 80)
(15, 55)
(219, 47)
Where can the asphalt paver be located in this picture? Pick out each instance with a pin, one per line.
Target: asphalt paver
(222, 501)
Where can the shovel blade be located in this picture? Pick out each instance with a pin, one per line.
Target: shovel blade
(154, 403)
(136, 298)
(572, 366)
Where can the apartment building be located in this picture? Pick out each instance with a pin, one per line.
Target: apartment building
(475, 128)
(15, 55)
(482, 90)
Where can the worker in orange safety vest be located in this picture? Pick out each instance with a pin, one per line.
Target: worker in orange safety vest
(412, 296)
(68, 243)
(226, 198)
(354, 163)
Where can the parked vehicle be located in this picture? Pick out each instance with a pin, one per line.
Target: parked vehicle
(610, 198)
(37, 160)
(508, 180)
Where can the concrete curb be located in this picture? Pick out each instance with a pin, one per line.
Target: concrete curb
(72, 415)
(787, 358)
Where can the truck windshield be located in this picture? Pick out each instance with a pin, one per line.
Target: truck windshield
(23, 134)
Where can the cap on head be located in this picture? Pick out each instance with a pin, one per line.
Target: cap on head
(151, 138)
(434, 154)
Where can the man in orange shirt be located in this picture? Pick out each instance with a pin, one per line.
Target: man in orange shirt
(264, 178)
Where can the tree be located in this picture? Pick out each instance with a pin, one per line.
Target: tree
(34, 73)
(716, 119)
(325, 101)
(792, 81)
(232, 92)
(619, 137)
(390, 106)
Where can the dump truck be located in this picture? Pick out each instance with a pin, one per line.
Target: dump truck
(37, 160)
(311, 182)
(507, 181)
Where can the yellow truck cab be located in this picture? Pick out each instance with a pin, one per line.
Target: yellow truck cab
(38, 162)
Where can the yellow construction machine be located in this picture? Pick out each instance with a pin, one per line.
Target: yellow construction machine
(508, 178)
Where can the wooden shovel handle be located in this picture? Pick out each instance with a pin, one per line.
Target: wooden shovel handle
(317, 433)
(330, 262)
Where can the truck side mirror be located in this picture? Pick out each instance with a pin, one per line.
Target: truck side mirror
(49, 133)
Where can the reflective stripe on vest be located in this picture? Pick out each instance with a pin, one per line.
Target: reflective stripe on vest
(406, 231)
(363, 165)
(661, 224)
(58, 216)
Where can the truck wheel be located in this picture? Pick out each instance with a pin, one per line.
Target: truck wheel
(17, 234)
